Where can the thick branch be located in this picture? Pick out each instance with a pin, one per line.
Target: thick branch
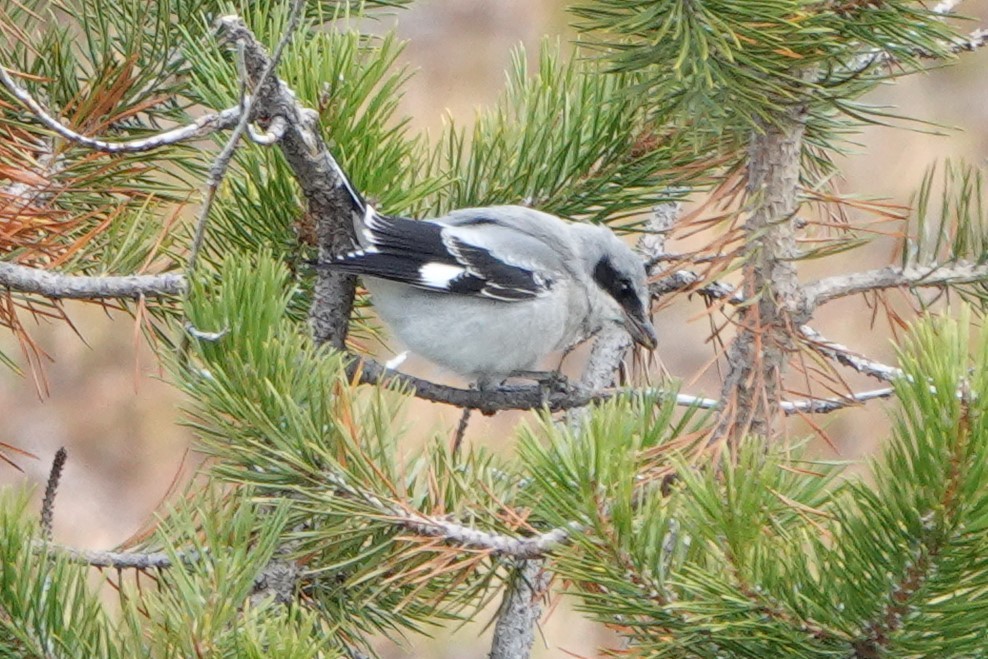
(520, 610)
(831, 288)
(201, 127)
(24, 279)
(757, 356)
(319, 177)
(367, 371)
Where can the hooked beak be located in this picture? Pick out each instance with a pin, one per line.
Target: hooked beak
(641, 331)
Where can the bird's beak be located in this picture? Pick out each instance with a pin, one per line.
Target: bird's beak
(641, 331)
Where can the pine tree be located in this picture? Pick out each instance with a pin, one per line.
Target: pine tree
(688, 524)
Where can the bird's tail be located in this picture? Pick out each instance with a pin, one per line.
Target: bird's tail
(344, 182)
(363, 213)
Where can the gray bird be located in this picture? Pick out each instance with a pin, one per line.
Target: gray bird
(489, 292)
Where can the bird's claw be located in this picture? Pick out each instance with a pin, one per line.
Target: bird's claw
(553, 381)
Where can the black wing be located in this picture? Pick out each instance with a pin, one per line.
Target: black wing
(426, 255)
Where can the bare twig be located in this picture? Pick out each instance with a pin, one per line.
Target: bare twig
(682, 280)
(695, 259)
(455, 533)
(831, 288)
(48, 503)
(274, 132)
(25, 279)
(844, 355)
(219, 167)
(974, 40)
(114, 559)
(201, 127)
(827, 405)
(969, 43)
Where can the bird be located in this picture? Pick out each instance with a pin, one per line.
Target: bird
(487, 293)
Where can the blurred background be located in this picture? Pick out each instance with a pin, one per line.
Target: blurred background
(109, 405)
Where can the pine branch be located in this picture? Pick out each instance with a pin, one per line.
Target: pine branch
(455, 533)
(25, 279)
(368, 371)
(319, 176)
(757, 355)
(942, 276)
(202, 127)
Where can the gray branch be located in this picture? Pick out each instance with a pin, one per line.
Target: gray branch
(453, 532)
(684, 280)
(757, 355)
(831, 288)
(827, 405)
(520, 610)
(201, 127)
(317, 174)
(113, 559)
(844, 355)
(24, 279)
(522, 397)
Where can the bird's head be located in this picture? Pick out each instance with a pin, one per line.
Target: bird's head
(620, 275)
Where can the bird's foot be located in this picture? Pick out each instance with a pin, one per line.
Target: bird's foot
(554, 381)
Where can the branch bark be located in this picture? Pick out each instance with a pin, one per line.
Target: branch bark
(758, 354)
(55, 285)
(844, 355)
(831, 288)
(453, 532)
(317, 174)
(521, 608)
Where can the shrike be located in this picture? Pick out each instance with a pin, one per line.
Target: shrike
(489, 292)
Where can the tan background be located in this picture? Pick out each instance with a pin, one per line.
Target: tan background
(117, 418)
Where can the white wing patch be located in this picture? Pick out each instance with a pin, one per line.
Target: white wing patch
(367, 227)
(439, 275)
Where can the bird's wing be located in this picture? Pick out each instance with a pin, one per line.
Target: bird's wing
(483, 260)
